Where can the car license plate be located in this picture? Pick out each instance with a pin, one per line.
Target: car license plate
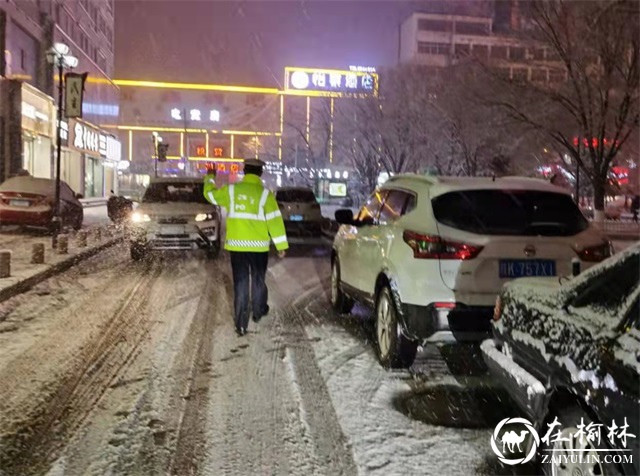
(295, 218)
(514, 268)
(171, 230)
(19, 203)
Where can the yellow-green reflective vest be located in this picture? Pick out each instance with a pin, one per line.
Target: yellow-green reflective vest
(253, 216)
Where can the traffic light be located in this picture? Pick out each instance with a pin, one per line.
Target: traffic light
(162, 152)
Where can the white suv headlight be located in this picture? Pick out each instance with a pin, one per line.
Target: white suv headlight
(137, 217)
(204, 216)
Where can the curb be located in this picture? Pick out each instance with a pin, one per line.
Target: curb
(28, 283)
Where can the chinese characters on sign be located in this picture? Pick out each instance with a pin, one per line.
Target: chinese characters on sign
(332, 81)
(591, 433)
(91, 140)
(194, 115)
(74, 88)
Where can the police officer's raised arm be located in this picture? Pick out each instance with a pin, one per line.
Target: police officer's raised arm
(213, 194)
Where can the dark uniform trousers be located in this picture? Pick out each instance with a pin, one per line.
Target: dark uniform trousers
(250, 290)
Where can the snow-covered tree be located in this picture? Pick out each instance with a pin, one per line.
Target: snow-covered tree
(594, 112)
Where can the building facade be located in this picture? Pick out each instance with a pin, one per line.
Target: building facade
(29, 84)
(439, 40)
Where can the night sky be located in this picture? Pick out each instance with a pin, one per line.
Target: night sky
(250, 42)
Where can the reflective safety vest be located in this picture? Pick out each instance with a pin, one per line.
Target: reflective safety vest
(253, 216)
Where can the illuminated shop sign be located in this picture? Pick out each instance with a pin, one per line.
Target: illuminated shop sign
(331, 81)
(364, 69)
(89, 139)
(197, 115)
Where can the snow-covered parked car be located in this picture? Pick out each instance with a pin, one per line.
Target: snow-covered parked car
(300, 211)
(174, 215)
(570, 349)
(431, 254)
(30, 201)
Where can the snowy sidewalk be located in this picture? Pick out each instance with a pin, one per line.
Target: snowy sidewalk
(25, 274)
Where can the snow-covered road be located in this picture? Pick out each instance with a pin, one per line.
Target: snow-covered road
(122, 368)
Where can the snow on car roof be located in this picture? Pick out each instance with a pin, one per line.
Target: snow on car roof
(440, 185)
(27, 184)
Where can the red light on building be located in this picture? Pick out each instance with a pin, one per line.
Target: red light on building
(201, 151)
(234, 168)
(218, 152)
(222, 168)
(595, 142)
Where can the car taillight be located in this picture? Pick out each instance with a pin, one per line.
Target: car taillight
(497, 310)
(595, 254)
(434, 247)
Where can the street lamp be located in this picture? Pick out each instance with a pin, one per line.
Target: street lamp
(59, 55)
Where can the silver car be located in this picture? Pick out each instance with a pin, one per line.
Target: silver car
(174, 215)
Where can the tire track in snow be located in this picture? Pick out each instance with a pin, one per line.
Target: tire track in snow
(332, 449)
(32, 446)
(187, 457)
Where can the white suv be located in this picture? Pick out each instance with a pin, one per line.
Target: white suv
(430, 254)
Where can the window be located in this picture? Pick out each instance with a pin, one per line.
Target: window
(537, 53)
(433, 48)
(556, 76)
(394, 206)
(499, 52)
(371, 209)
(522, 212)
(462, 50)
(468, 28)
(480, 51)
(434, 25)
(516, 53)
(295, 195)
(520, 74)
(610, 289)
(539, 75)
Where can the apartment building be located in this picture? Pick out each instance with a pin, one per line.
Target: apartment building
(28, 85)
(439, 40)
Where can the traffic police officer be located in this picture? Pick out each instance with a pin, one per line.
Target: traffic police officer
(253, 221)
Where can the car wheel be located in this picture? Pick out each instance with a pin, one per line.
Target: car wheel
(138, 251)
(393, 348)
(563, 464)
(339, 300)
(77, 223)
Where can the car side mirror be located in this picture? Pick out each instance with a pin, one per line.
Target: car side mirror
(366, 221)
(344, 216)
(79, 196)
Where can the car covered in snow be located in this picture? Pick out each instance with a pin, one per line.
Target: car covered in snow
(300, 211)
(570, 349)
(174, 215)
(30, 201)
(430, 254)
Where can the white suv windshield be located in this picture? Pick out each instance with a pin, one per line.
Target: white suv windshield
(509, 212)
(174, 192)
